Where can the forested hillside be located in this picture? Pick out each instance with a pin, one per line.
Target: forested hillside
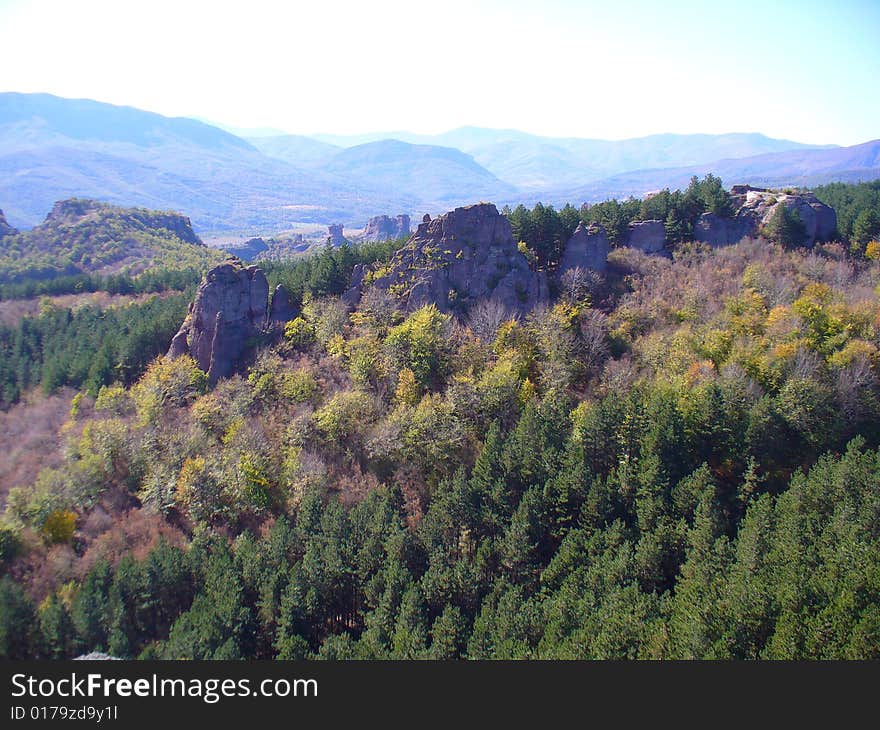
(676, 458)
(858, 210)
(86, 236)
(87, 246)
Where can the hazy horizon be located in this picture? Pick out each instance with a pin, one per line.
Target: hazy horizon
(790, 70)
(257, 132)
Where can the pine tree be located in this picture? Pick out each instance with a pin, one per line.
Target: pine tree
(785, 227)
(18, 623)
(410, 632)
(866, 226)
(89, 609)
(57, 629)
(449, 634)
(677, 228)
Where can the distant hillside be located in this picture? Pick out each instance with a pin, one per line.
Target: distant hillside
(294, 148)
(532, 162)
(29, 120)
(796, 167)
(53, 148)
(435, 175)
(86, 236)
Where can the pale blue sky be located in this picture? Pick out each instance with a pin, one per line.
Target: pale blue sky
(806, 69)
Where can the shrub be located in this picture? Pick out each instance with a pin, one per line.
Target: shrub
(344, 415)
(299, 333)
(59, 527)
(167, 382)
(418, 343)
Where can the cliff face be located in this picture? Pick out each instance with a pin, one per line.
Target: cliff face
(5, 228)
(383, 227)
(588, 248)
(336, 237)
(247, 250)
(647, 236)
(230, 308)
(460, 258)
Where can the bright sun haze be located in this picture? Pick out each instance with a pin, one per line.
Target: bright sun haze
(802, 70)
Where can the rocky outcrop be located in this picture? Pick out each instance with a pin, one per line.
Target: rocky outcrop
(281, 309)
(283, 247)
(336, 238)
(754, 209)
(247, 250)
(352, 296)
(588, 248)
(460, 258)
(743, 189)
(383, 227)
(229, 310)
(67, 212)
(179, 225)
(718, 231)
(72, 209)
(647, 236)
(820, 220)
(5, 228)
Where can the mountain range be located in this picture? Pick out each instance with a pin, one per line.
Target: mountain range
(531, 162)
(53, 148)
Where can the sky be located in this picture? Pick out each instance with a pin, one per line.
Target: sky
(805, 70)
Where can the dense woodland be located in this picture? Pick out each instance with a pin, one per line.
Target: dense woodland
(88, 347)
(152, 281)
(677, 459)
(89, 237)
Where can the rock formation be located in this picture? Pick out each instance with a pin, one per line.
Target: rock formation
(279, 248)
(352, 296)
(458, 259)
(230, 308)
(5, 228)
(76, 209)
(647, 236)
(736, 190)
(588, 248)
(336, 238)
(754, 209)
(717, 231)
(281, 309)
(247, 250)
(383, 227)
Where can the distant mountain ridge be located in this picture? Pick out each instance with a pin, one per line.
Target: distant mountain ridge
(794, 167)
(294, 148)
(87, 120)
(432, 173)
(53, 148)
(531, 162)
